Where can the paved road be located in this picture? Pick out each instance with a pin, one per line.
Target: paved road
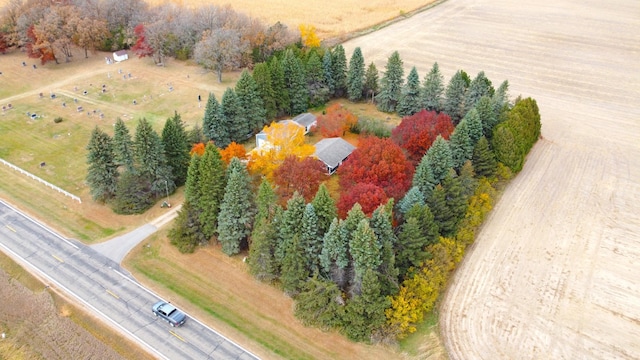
(100, 284)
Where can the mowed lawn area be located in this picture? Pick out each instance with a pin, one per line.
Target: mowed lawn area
(56, 152)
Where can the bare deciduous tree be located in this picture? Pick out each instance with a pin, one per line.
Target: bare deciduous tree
(220, 50)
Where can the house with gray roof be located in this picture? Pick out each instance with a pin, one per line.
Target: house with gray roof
(332, 152)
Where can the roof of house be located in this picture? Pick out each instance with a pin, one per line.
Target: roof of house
(332, 151)
(305, 119)
(121, 52)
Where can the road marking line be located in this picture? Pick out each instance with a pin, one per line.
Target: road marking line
(178, 336)
(10, 228)
(113, 294)
(57, 258)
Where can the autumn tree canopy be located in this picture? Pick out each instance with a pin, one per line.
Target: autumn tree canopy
(379, 162)
(283, 139)
(299, 174)
(336, 121)
(416, 133)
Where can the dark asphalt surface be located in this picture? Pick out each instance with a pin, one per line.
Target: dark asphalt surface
(105, 288)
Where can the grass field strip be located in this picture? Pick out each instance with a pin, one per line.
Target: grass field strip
(74, 197)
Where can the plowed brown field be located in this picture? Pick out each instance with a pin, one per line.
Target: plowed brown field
(554, 272)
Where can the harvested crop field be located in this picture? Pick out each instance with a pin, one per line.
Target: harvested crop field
(553, 273)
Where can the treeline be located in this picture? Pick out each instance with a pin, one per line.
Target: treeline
(131, 174)
(216, 36)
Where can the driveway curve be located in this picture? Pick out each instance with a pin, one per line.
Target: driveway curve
(553, 273)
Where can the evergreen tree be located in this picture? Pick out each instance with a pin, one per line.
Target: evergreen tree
(499, 99)
(265, 201)
(310, 239)
(262, 263)
(381, 224)
(233, 118)
(371, 82)
(412, 197)
(262, 78)
(411, 246)
(365, 313)
(290, 226)
(355, 76)
(327, 71)
(280, 91)
(440, 158)
(426, 221)
(456, 202)
(319, 92)
(123, 146)
(195, 135)
(474, 124)
(433, 90)
(320, 304)
(410, 97)
(480, 86)
(391, 84)
(251, 104)
(460, 144)
(192, 185)
(441, 214)
(211, 189)
(294, 270)
(484, 161)
(339, 71)
(335, 254)
(102, 172)
(325, 208)
(295, 83)
(365, 249)
(487, 116)
(454, 99)
(467, 179)
(186, 232)
(150, 159)
(176, 147)
(236, 210)
(423, 178)
(133, 194)
(213, 124)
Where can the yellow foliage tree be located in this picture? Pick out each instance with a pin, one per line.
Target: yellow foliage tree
(283, 139)
(308, 36)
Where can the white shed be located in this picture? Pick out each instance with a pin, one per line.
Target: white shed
(120, 55)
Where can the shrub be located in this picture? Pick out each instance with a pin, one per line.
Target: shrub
(374, 127)
(58, 120)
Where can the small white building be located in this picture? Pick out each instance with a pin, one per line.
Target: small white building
(120, 55)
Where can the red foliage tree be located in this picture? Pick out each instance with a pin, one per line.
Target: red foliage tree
(301, 175)
(3, 43)
(233, 150)
(141, 47)
(369, 196)
(379, 162)
(417, 132)
(336, 121)
(38, 49)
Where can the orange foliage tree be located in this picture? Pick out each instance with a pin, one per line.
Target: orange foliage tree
(301, 175)
(233, 150)
(197, 149)
(283, 139)
(336, 121)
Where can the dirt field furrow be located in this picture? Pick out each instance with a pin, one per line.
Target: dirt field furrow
(553, 273)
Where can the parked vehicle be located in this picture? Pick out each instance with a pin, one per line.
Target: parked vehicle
(169, 313)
